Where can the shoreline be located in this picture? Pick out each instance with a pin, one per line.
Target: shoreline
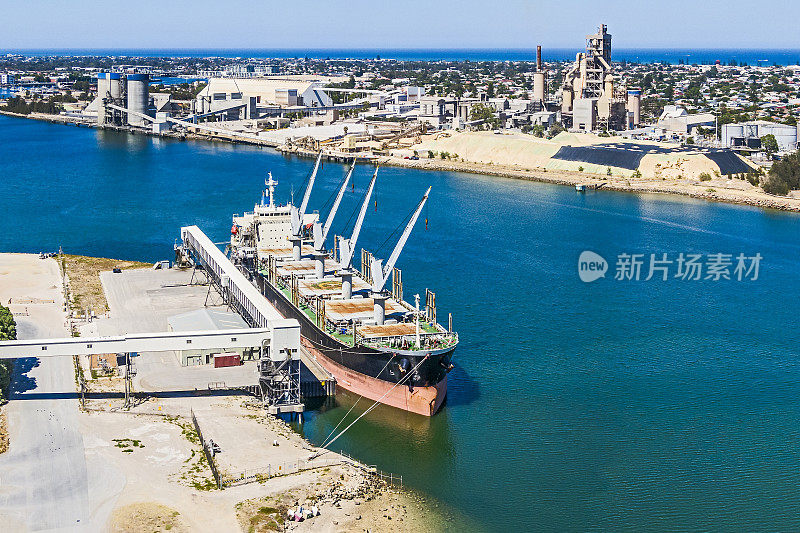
(154, 449)
(710, 191)
(713, 191)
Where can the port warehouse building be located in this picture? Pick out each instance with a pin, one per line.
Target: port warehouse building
(209, 320)
(261, 95)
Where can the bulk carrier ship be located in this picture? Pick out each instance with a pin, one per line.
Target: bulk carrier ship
(372, 341)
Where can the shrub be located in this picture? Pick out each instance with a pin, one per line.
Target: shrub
(705, 176)
(608, 171)
(787, 170)
(8, 331)
(637, 174)
(775, 185)
(580, 169)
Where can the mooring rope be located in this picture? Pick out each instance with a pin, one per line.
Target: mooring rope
(372, 406)
(356, 403)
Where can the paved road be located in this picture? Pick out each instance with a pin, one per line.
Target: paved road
(43, 479)
(44, 482)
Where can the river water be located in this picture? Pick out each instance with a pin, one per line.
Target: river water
(614, 405)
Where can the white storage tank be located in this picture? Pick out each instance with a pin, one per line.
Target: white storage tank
(115, 84)
(102, 92)
(138, 98)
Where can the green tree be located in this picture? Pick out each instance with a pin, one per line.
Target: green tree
(8, 331)
(555, 129)
(8, 326)
(784, 175)
(769, 144)
(486, 114)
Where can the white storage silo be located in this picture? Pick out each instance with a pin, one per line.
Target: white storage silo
(102, 92)
(138, 98)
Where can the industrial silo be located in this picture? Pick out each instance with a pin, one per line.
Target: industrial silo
(114, 81)
(102, 92)
(635, 107)
(138, 98)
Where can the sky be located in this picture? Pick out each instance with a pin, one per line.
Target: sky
(381, 24)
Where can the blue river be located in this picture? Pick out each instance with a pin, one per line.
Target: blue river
(621, 404)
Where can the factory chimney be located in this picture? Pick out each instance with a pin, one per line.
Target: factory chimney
(539, 82)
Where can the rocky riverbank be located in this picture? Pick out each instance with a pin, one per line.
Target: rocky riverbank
(719, 189)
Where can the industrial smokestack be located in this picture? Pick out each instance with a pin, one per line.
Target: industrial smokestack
(539, 82)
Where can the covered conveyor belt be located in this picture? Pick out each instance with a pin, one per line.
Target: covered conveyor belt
(243, 295)
(137, 342)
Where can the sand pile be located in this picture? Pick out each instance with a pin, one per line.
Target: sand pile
(576, 152)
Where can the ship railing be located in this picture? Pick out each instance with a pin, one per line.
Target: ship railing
(391, 341)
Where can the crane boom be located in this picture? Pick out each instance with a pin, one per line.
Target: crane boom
(310, 185)
(298, 214)
(347, 246)
(335, 207)
(381, 273)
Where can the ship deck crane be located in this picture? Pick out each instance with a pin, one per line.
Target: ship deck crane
(299, 214)
(347, 247)
(380, 272)
(321, 232)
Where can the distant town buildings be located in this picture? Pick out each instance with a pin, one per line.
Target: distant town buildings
(241, 71)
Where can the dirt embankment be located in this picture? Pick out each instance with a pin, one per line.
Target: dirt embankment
(718, 190)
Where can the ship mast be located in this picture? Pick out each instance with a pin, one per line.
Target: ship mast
(271, 183)
(299, 214)
(321, 233)
(347, 247)
(380, 272)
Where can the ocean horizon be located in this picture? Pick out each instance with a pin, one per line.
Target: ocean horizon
(750, 56)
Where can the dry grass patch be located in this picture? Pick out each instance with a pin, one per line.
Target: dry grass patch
(3, 430)
(146, 517)
(84, 279)
(262, 515)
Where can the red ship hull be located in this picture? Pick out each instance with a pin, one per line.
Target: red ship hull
(425, 401)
